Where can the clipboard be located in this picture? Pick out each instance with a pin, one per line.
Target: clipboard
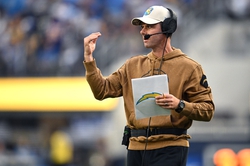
(144, 91)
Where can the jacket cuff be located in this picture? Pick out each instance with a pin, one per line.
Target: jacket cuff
(187, 109)
(90, 66)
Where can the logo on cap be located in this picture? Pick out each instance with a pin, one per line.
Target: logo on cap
(148, 11)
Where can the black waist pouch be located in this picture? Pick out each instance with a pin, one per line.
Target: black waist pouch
(126, 136)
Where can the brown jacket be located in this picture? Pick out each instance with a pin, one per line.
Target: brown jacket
(187, 81)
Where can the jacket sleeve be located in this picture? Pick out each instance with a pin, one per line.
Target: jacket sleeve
(102, 87)
(198, 97)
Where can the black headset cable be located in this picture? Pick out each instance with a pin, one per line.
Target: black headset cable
(149, 121)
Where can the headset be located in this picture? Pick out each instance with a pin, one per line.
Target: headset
(169, 25)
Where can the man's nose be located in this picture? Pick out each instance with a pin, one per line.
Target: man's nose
(143, 32)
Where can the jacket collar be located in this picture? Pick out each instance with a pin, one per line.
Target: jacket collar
(175, 53)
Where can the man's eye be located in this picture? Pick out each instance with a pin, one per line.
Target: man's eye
(146, 26)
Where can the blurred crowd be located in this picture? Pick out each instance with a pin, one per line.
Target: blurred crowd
(44, 37)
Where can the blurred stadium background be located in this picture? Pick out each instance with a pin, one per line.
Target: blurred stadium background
(48, 115)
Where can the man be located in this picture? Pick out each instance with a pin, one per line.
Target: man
(158, 140)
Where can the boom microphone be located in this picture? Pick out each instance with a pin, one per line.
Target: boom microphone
(146, 37)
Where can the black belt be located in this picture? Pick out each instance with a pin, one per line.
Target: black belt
(143, 132)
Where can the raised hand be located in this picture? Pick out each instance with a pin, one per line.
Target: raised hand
(90, 45)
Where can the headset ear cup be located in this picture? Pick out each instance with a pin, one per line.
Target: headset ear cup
(172, 26)
(169, 25)
(164, 25)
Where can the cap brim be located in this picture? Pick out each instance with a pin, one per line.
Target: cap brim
(146, 20)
